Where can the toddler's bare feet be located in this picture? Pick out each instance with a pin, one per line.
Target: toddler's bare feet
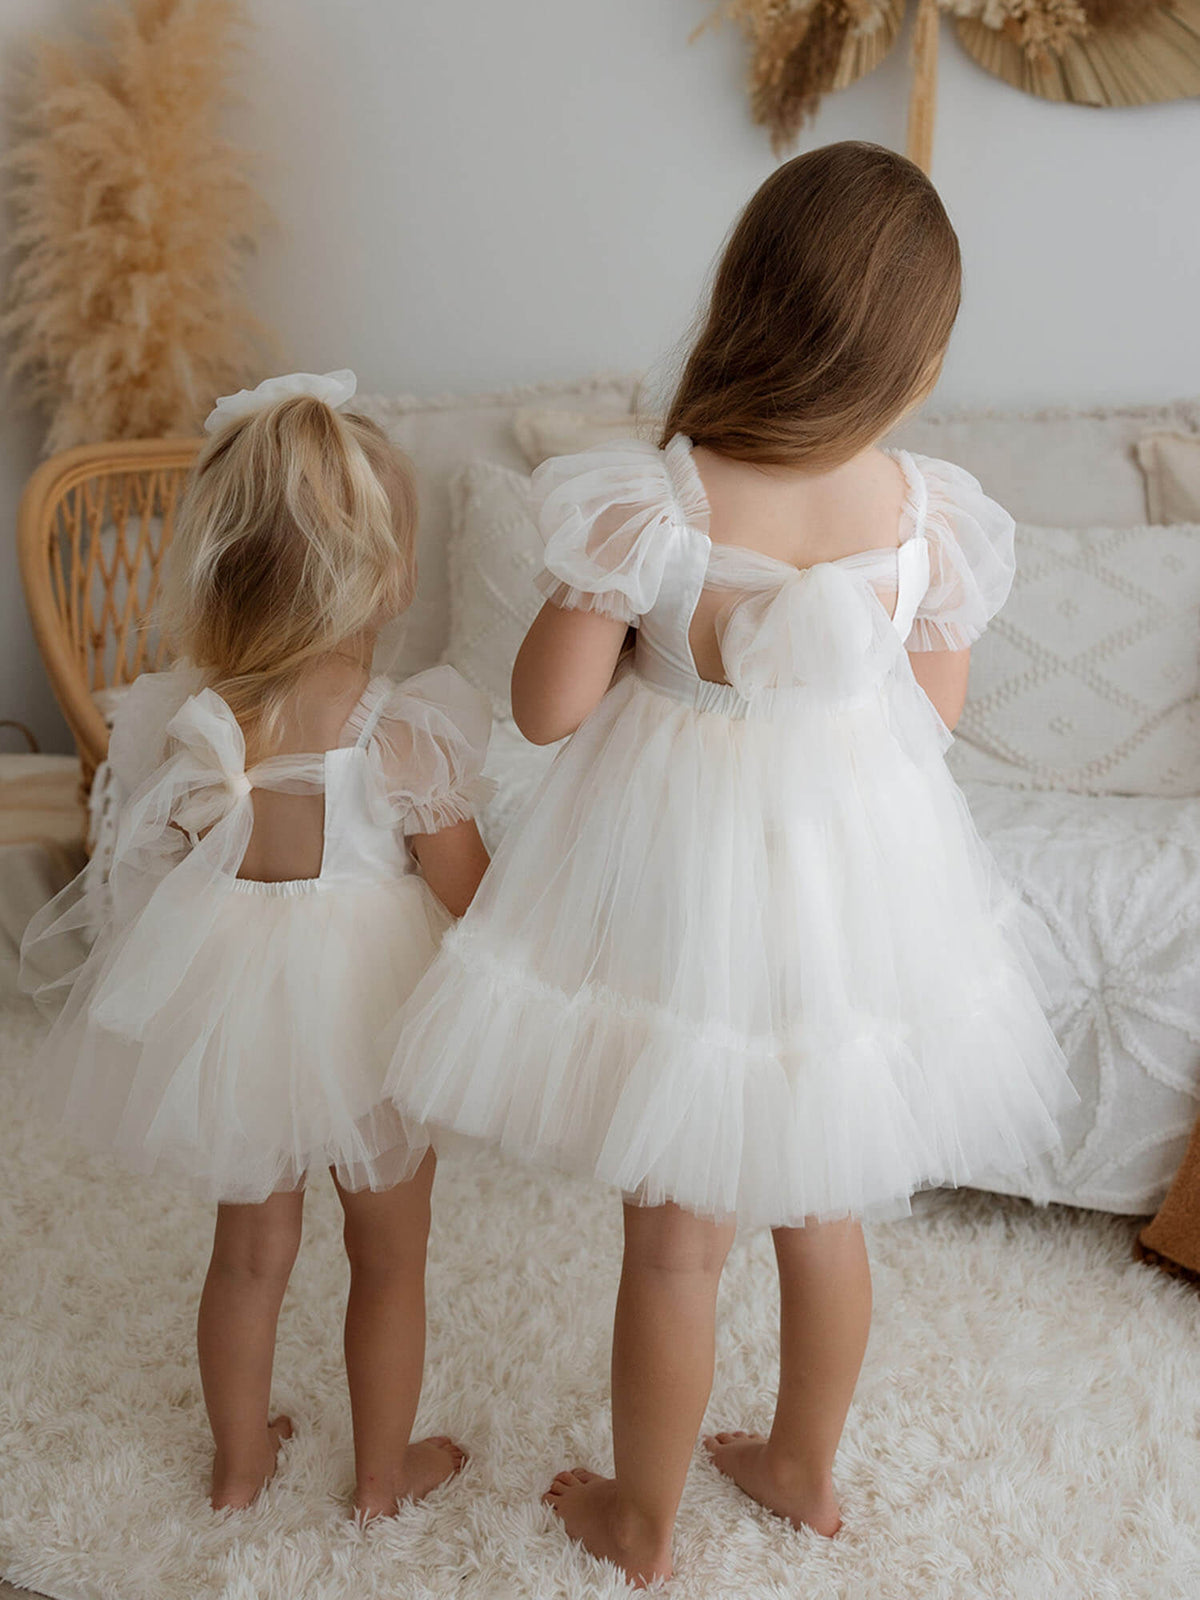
(426, 1464)
(746, 1458)
(236, 1486)
(588, 1507)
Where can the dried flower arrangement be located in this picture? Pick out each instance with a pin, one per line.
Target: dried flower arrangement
(801, 49)
(132, 218)
(1096, 52)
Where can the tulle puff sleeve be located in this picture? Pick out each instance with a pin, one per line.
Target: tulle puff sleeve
(612, 517)
(426, 742)
(971, 564)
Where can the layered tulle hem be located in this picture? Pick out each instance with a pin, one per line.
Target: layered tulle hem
(376, 1152)
(845, 1119)
(261, 1061)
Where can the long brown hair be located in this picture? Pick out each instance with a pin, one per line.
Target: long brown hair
(831, 310)
(297, 532)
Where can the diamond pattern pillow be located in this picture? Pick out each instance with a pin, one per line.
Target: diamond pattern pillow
(1089, 679)
(495, 553)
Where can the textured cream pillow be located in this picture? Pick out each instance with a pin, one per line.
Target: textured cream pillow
(1171, 463)
(543, 431)
(495, 553)
(1063, 468)
(441, 436)
(1059, 469)
(1089, 679)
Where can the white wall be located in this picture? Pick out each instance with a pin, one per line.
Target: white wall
(478, 194)
(24, 691)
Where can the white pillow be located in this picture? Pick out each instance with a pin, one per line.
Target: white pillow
(441, 436)
(1170, 463)
(1058, 469)
(495, 553)
(1089, 679)
(1065, 468)
(545, 431)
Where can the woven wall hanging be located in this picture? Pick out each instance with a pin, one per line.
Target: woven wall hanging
(1092, 52)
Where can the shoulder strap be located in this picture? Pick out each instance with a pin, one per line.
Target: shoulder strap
(375, 695)
(912, 555)
(912, 582)
(917, 499)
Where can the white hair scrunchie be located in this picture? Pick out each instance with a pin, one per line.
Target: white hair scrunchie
(335, 388)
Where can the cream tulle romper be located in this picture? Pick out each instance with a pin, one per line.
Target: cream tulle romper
(744, 949)
(232, 1031)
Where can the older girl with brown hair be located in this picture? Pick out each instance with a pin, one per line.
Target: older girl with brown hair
(745, 957)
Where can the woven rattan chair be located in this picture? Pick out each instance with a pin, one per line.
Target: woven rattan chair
(93, 527)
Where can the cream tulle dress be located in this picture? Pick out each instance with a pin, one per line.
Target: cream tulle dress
(744, 949)
(233, 1031)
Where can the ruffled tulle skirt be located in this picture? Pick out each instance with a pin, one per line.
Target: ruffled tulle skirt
(760, 965)
(265, 1056)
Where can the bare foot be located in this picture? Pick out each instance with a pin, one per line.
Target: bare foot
(233, 1489)
(746, 1458)
(426, 1464)
(587, 1505)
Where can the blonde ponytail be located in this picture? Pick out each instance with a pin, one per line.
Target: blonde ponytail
(297, 532)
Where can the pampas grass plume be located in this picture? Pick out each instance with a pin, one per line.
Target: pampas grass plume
(133, 216)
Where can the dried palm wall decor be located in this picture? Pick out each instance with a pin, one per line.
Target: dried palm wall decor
(1093, 52)
(124, 310)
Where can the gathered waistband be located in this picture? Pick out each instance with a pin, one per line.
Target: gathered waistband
(288, 888)
(277, 888)
(724, 700)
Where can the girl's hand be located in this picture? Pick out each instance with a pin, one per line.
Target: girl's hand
(452, 862)
(943, 676)
(563, 670)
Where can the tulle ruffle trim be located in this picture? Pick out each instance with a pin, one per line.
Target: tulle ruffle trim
(844, 1120)
(432, 816)
(568, 598)
(381, 1150)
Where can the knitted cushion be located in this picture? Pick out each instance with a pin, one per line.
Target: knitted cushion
(495, 552)
(440, 436)
(1089, 679)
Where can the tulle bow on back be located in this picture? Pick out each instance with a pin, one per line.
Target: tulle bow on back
(208, 776)
(819, 627)
(187, 827)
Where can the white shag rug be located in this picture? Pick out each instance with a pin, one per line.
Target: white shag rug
(1026, 1424)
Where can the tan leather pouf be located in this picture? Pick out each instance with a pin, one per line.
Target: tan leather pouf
(1172, 1240)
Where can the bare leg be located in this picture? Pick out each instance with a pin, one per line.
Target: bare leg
(825, 1316)
(386, 1235)
(662, 1369)
(254, 1249)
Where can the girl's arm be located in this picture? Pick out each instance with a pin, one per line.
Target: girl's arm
(563, 670)
(943, 676)
(452, 862)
